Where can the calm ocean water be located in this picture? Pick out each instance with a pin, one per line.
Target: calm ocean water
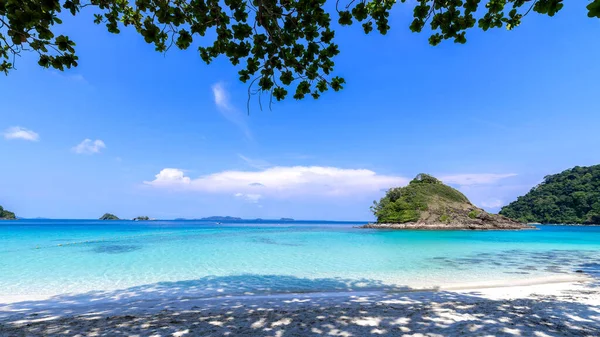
(204, 259)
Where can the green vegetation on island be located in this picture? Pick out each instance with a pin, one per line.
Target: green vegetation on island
(108, 216)
(141, 218)
(6, 215)
(426, 203)
(569, 197)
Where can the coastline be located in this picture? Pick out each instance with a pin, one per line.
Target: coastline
(444, 226)
(67, 299)
(552, 305)
(569, 225)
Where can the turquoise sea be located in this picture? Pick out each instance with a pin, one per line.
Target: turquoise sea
(206, 259)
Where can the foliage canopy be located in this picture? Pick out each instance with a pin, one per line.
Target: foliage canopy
(280, 45)
(572, 197)
(6, 215)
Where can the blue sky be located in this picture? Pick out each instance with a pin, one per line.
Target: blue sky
(134, 132)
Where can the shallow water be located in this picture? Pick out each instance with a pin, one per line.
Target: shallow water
(204, 259)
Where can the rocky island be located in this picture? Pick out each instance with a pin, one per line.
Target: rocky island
(426, 203)
(108, 216)
(6, 215)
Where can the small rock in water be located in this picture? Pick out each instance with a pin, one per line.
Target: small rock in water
(579, 271)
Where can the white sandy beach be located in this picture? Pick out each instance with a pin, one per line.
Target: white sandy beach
(555, 306)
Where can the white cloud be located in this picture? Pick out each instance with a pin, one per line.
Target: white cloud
(221, 96)
(483, 189)
(172, 176)
(17, 132)
(228, 111)
(494, 203)
(281, 181)
(475, 179)
(87, 146)
(251, 198)
(492, 197)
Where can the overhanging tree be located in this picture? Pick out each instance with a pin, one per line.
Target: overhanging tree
(281, 46)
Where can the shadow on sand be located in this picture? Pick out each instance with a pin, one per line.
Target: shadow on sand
(352, 308)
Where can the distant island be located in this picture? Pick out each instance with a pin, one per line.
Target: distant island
(141, 218)
(6, 215)
(221, 218)
(426, 203)
(108, 216)
(232, 218)
(569, 197)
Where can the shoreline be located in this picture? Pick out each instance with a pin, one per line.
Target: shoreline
(556, 306)
(445, 227)
(7, 303)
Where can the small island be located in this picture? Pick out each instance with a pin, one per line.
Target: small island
(141, 218)
(6, 215)
(221, 218)
(108, 216)
(426, 203)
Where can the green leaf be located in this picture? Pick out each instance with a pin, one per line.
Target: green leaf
(345, 18)
(594, 9)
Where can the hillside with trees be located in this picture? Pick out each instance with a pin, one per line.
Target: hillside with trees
(6, 215)
(426, 203)
(569, 197)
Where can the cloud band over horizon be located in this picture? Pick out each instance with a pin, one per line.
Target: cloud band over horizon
(301, 181)
(280, 181)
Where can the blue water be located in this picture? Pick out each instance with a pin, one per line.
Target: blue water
(51, 257)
